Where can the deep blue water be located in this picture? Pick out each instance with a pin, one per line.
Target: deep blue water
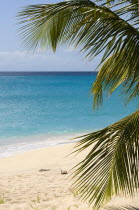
(53, 107)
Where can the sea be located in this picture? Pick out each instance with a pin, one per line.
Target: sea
(44, 109)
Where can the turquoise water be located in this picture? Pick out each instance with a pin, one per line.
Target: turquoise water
(37, 111)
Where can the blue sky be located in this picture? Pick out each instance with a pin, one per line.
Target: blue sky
(14, 58)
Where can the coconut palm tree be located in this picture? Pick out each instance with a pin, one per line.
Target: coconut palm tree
(109, 27)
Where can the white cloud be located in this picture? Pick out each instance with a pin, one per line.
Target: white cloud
(22, 61)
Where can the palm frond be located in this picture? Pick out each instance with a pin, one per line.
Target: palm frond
(111, 167)
(95, 28)
(113, 74)
(47, 25)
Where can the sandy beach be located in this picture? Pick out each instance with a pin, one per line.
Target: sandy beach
(24, 187)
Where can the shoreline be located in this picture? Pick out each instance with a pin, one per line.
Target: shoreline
(34, 142)
(23, 186)
(36, 149)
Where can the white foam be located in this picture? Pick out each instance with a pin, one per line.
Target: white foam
(36, 142)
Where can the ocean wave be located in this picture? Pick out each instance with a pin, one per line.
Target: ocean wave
(36, 142)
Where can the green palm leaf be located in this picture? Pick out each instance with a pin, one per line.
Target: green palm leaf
(96, 29)
(111, 167)
(112, 74)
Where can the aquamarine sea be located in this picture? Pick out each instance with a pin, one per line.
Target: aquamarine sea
(47, 110)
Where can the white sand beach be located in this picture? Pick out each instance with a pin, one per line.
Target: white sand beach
(24, 187)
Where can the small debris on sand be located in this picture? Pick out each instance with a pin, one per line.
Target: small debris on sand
(42, 170)
(64, 172)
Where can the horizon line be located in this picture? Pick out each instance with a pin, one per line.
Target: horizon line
(47, 73)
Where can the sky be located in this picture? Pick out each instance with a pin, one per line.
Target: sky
(14, 58)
